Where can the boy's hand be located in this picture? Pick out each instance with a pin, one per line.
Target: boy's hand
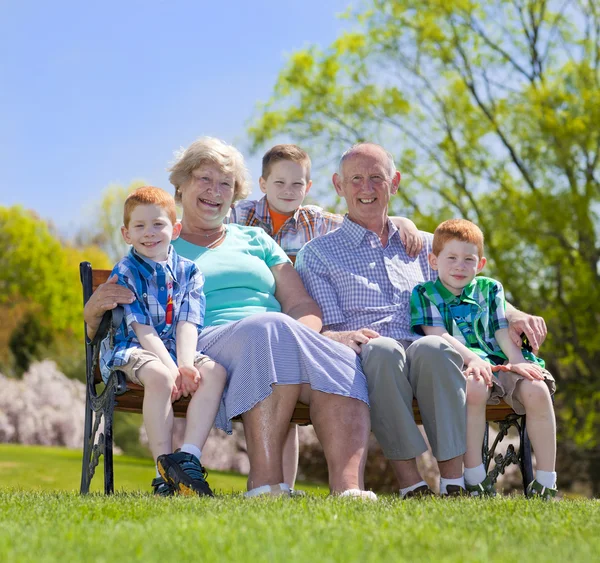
(530, 371)
(176, 389)
(479, 368)
(190, 379)
(409, 235)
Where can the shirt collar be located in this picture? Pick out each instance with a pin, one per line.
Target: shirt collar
(262, 211)
(263, 215)
(468, 292)
(147, 267)
(356, 233)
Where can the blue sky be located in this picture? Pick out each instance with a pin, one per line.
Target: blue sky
(99, 92)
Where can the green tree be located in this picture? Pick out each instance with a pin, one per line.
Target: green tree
(492, 109)
(106, 218)
(39, 275)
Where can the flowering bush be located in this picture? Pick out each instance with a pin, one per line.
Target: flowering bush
(44, 407)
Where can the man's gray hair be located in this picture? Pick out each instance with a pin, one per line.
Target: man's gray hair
(354, 148)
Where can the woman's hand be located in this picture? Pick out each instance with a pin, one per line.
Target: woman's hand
(108, 295)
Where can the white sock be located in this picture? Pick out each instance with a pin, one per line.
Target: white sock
(191, 449)
(474, 475)
(412, 488)
(445, 482)
(546, 478)
(157, 471)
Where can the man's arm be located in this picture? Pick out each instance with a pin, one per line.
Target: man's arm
(520, 323)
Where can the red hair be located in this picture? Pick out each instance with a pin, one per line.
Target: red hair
(149, 195)
(457, 229)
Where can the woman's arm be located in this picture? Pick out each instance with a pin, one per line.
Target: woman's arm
(293, 297)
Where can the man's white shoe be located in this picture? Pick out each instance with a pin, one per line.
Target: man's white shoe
(358, 493)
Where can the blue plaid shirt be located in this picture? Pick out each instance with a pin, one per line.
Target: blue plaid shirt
(148, 281)
(359, 284)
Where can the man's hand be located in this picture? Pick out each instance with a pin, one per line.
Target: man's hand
(528, 370)
(479, 368)
(108, 295)
(190, 379)
(533, 327)
(353, 338)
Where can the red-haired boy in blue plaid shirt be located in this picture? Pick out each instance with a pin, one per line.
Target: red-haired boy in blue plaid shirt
(156, 344)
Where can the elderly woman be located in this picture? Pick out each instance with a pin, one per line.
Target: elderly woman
(263, 327)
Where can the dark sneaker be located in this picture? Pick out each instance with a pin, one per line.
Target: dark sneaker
(454, 491)
(161, 488)
(483, 489)
(536, 489)
(420, 492)
(183, 472)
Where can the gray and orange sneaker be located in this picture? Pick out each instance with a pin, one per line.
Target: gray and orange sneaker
(161, 488)
(184, 473)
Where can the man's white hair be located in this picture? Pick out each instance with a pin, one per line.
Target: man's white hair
(355, 148)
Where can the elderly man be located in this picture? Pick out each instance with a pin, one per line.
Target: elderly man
(362, 278)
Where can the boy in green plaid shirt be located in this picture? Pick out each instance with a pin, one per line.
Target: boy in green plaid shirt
(468, 312)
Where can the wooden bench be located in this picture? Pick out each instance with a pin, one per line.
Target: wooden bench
(119, 394)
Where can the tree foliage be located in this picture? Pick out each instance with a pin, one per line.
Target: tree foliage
(104, 228)
(39, 276)
(492, 110)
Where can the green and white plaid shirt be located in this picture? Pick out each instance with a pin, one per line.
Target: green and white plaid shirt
(472, 318)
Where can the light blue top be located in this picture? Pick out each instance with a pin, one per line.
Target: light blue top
(238, 281)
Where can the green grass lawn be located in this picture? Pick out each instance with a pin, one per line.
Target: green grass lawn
(58, 469)
(41, 525)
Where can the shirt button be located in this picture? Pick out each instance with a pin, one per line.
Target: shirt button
(162, 288)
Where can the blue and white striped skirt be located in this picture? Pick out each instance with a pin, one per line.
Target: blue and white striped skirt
(272, 348)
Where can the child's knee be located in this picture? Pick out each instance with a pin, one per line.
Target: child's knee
(477, 392)
(155, 376)
(534, 395)
(214, 371)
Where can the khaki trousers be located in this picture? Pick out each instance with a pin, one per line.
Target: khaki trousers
(429, 370)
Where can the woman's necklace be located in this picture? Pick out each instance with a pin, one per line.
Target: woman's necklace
(211, 232)
(214, 243)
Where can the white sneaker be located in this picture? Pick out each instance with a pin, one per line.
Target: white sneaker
(358, 493)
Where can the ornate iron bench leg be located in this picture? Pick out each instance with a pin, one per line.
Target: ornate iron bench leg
(525, 455)
(510, 457)
(109, 481)
(87, 448)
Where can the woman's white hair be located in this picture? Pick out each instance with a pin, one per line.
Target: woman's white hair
(208, 150)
